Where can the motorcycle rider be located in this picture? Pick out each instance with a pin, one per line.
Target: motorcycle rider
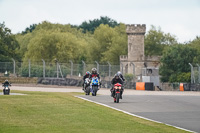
(121, 76)
(115, 80)
(87, 75)
(6, 83)
(94, 73)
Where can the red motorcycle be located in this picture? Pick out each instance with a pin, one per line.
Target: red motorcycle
(117, 92)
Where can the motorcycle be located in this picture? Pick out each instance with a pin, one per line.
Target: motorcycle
(6, 90)
(94, 85)
(87, 86)
(117, 92)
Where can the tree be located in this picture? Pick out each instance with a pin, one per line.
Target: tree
(111, 43)
(50, 41)
(8, 44)
(29, 29)
(156, 41)
(53, 45)
(93, 24)
(195, 43)
(174, 62)
(53, 41)
(23, 41)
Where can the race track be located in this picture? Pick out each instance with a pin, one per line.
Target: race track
(180, 111)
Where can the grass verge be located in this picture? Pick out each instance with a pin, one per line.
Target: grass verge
(48, 112)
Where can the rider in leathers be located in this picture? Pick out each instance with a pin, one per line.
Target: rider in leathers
(87, 75)
(6, 83)
(121, 76)
(94, 74)
(115, 80)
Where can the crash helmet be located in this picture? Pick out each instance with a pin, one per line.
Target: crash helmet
(87, 73)
(116, 76)
(94, 70)
(119, 73)
(6, 80)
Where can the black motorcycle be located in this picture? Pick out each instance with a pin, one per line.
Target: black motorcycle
(6, 90)
(87, 86)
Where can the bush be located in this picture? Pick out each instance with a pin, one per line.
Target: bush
(184, 77)
(129, 77)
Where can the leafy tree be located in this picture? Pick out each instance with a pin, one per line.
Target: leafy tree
(184, 77)
(174, 62)
(156, 40)
(50, 45)
(112, 42)
(23, 41)
(50, 41)
(8, 44)
(93, 24)
(29, 29)
(195, 43)
(53, 41)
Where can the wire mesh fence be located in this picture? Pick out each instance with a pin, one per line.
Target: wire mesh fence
(196, 76)
(54, 69)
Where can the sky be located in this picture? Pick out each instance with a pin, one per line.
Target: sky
(177, 17)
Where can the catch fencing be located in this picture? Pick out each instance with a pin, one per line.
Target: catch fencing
(55, 69)
(195, 74)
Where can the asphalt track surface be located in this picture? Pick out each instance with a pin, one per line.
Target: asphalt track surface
(180, 109)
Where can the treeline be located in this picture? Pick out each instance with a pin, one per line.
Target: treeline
(99, 40)
(63, 42)
(175, 56)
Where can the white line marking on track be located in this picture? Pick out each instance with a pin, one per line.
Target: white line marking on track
(133, 114)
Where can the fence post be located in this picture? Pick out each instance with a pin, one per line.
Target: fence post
(43, 68)
(60, 70)
(97, 66)
(57, 69)
(192, 74)
(14, 66)
(122, 68)
(198, 73)
(29, 68)
(71, 67)
(83, 67)
(109, 69)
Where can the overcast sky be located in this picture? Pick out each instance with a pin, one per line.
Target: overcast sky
(178, 17)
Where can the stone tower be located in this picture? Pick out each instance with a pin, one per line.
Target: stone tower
(146, 69)
(135, 42)
(134, 62)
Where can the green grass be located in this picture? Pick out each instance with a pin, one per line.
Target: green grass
(48, 112)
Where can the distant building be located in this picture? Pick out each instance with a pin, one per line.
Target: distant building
(135, 62)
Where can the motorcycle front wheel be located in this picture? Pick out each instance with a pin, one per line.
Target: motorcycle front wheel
(95, 88)
(87, 92)
(117, 97)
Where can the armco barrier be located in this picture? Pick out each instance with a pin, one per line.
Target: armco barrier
(181, 87)
(78, 82)
(189, 87)
(145, 86)
(149, 86)
(140, 85)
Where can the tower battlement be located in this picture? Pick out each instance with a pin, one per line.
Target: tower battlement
(136, 29)
(123, 57)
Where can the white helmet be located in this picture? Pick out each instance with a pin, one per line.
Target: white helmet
(94, 70)
(119, 73)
